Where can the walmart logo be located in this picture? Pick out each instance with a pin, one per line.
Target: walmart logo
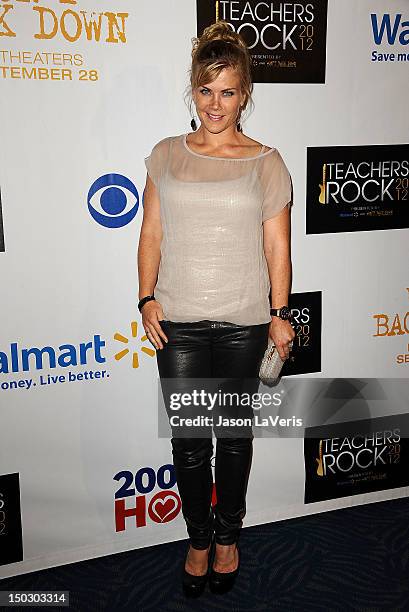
(23, 367)
(388, 31)
(134, 334)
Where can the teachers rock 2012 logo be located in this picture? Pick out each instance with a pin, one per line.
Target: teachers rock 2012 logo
(286, 40)
(355, 458)
(357, 188)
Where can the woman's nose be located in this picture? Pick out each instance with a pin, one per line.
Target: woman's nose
(215, 103)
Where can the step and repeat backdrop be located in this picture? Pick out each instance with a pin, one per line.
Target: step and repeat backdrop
(85, 92)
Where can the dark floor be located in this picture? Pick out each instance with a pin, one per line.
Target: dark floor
(349, 559)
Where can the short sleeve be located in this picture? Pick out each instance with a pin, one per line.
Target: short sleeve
(155, 163)
(276, 185)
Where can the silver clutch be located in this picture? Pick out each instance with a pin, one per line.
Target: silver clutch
(271, 364)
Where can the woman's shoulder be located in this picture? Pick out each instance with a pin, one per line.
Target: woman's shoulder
(272, 165)
(162, 147)
(257, 146)
(270, 154)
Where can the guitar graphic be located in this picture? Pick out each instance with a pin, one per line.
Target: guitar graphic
(320, 471)
(321, 198)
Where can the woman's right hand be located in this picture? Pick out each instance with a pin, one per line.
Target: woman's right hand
(152, 313)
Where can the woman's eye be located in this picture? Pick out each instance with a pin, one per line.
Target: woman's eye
(226, 93)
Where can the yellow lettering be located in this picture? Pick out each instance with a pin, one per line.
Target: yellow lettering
(396, 326)
(8, 31)
(381, 324)
(43, 34)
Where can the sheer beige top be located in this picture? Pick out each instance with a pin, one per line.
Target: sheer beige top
(212, 209)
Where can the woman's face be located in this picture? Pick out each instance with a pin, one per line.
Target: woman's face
(218, 103)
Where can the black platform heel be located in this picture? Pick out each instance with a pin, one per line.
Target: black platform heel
(193, 586)
(222, 582)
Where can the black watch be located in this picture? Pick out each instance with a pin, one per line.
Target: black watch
(143, 301)
(284, 313)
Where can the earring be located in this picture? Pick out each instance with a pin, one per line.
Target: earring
(193, 124)
(239, 127)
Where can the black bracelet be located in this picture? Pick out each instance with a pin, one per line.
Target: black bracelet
(143, 301)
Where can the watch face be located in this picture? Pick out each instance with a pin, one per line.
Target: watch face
(285, 313)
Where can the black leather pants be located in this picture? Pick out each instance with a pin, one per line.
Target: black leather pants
(209, 349)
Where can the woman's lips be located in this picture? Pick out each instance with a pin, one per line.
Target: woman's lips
(214, 117)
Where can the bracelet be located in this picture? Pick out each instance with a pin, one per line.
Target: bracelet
(143, 301)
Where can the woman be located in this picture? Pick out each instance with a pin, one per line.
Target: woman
(215, 236)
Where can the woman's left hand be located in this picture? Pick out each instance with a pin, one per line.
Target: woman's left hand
(282, 333)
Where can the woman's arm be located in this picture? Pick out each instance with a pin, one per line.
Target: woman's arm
(148, 262)
(276, 238)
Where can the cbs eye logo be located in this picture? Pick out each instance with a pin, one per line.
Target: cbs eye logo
(113, 200)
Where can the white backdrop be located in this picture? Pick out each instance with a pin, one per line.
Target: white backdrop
(66, 278)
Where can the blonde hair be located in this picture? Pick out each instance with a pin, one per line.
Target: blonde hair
(217, 48)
